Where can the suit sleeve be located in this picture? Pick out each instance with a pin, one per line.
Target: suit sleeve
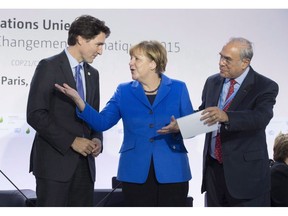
(39, 112)
(257, 108)
(96, 104)
(107, 118)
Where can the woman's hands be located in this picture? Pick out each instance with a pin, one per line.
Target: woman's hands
(73, 94)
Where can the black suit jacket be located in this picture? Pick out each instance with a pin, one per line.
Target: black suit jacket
(279, 185)
(244, 147)
(53, 116)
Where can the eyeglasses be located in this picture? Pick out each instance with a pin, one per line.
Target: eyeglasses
(229, 60)
(225, 59)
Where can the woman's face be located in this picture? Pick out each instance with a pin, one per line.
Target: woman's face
(141, 66)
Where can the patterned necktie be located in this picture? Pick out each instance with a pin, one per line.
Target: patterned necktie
(79, 83)
(218, 147)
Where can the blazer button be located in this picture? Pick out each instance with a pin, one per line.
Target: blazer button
(151, 112)
(151, 139)
(174, 147)
(151, 125)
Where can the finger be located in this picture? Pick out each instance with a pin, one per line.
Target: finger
(204, 116)
(60, 88)
(161, 131)
(66, 85)
(96, 150)
(96, 154)
(165, 128)
(173, 119)
(212, 117)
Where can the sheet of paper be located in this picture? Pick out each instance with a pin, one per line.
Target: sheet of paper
(191, 125)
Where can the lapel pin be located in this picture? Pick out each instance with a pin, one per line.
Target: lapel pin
(89, 74)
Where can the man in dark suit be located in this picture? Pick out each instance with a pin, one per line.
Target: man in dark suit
(237, 174)
(64, 147)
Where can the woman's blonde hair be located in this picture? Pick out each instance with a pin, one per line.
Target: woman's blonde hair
(155, 51)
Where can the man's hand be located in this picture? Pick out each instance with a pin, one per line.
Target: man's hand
(84, 146)
(98, 147)
(212, 115)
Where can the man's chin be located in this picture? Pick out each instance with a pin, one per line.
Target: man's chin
(222, 74)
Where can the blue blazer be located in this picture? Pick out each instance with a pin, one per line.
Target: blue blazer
(244, 147)
(141, 120)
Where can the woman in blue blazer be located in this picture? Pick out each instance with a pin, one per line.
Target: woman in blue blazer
(153, 168)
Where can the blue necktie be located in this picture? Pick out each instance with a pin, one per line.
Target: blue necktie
(79, 83)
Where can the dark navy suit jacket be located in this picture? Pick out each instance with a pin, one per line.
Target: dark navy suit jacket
(53, 116)
(244, 147)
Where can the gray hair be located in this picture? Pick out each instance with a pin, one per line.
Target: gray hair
(246, 48)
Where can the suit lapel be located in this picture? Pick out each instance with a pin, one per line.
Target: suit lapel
(215, 91)
(245, 88)
(164, 89)
(139, 94)
(88, 81)
(66, 70)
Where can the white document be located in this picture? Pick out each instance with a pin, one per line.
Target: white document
(191, 125)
